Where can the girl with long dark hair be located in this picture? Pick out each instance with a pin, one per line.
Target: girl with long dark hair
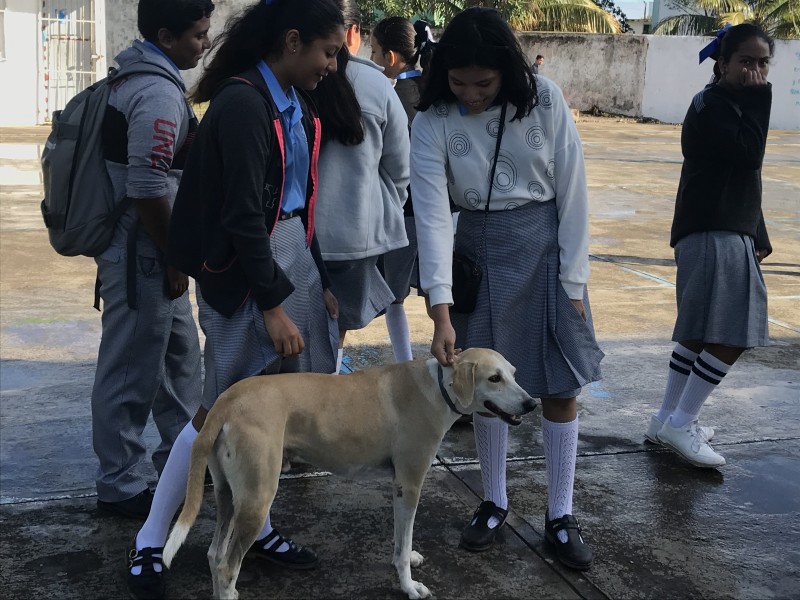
(505, 146)
(243, 227)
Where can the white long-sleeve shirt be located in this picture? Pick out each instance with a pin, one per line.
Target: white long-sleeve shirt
(541, 158)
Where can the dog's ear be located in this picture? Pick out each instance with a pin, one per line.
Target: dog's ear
(464, 381)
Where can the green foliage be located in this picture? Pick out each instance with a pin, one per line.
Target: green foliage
(589, 16)
(779, 18)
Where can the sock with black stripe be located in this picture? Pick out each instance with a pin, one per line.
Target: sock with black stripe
(680, 365)
(707, 372)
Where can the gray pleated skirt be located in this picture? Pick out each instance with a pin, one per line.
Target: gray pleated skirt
(240, 346)
(360, 290)
(722, 298)
(523, 311)
(400, 268)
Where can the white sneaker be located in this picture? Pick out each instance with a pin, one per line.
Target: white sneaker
(691, 443)
(651, 435)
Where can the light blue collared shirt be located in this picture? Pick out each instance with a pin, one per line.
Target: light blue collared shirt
(294, 141)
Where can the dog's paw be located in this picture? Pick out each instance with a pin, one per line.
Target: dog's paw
(416, 559)
(417, 590)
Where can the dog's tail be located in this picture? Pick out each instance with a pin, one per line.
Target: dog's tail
(201, 448)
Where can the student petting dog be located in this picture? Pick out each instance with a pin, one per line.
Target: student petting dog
(483, 113)
(243, 227)
(386, 420)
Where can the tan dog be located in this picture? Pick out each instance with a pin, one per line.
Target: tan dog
(390, 418)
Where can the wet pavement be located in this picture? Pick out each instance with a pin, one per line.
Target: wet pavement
(659, 528)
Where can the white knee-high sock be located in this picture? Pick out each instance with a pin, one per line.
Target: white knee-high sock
(707, 372)
(170, 492)
(560, 451)
(491, 440)
(265, 531)
(680, 365)
(339, 357)
(397, 324)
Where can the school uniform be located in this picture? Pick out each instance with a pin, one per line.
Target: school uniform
(245, 232)
(718, 223)
(399, 267)
(535, 250)
(360, 209)
(149, 356)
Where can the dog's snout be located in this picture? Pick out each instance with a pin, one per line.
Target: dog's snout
(529, 405)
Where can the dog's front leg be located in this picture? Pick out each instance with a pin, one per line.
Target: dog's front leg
(406, 498)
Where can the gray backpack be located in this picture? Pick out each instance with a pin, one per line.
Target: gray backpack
(79, 207)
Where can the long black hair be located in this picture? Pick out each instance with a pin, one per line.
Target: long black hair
(480, 37)
(735, 37)
(258, 33)
(335, 99)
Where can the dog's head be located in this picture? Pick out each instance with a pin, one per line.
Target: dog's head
(484, 380)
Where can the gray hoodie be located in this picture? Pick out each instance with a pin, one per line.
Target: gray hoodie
(362, 189)
(145, 127)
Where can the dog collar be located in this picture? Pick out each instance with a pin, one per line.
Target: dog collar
(445, 395)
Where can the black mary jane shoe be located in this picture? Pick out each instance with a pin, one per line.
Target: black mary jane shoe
(477, 536)
(574, 553)
(149, 584)
(296, 557)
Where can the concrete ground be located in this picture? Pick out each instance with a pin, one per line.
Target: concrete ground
(659, 528)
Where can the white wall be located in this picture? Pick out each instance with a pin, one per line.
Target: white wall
(673, 76)
(18, 71)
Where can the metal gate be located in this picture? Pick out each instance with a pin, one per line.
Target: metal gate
(70, 51)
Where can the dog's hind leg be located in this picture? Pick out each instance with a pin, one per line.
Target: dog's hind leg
(222, 492)
(406, 498)
(254, 485)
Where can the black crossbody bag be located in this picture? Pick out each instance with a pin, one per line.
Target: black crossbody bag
(467, 274)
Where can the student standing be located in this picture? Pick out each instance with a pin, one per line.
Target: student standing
(497, 138)
(719, 237)
(398, 47)
(243, 227)
(149, 357)
(360, 211)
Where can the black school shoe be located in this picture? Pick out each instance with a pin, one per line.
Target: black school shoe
(296, 557)
(574, 553)
(477, 536)
(149, 585)
(137, 507)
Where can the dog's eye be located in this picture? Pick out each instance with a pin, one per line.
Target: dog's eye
(495, 379)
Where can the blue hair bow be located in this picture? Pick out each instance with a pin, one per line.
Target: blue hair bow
(711, 48)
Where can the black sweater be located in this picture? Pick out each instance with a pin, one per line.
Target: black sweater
(230, 195)
(723, 140)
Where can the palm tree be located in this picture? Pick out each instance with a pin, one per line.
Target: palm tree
(779, 18)
(525, 15)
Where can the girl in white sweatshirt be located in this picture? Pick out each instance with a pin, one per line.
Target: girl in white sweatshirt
(531, 244)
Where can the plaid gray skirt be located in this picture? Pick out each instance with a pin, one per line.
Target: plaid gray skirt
(523, 311)
(400, 268)
(241, 347)
(360, 290)
(722, 298)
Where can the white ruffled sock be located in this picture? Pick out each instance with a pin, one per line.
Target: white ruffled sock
(491, 441)
(560, 453)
